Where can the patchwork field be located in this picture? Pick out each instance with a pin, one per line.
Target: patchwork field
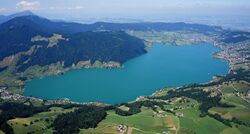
(145, 122)
(183, 117)
(241, 106)
(38, 124)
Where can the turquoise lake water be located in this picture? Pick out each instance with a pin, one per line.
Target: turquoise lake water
(162, 66)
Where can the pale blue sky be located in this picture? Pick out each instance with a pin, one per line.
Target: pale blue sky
(126, 8)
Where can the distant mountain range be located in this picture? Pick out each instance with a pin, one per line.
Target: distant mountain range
(99, 41)
(7, 18)
(71, 27)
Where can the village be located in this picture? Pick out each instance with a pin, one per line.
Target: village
(238, 55)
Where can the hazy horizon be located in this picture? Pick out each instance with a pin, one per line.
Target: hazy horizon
(234, 13)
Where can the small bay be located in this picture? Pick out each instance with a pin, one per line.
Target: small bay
(163, 66)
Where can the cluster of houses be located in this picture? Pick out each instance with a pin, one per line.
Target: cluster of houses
(5, 95)
(235, 54)
(140, 98)
(178, 114)
(122, 128)
(248, 95)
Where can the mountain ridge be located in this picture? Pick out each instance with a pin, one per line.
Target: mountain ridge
(16, 35)
(4, 18)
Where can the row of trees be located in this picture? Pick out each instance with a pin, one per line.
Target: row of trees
(206, 102)
(135, 107)
(199, 95)
(228, 121)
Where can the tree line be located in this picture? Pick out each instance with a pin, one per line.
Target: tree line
(82, 118)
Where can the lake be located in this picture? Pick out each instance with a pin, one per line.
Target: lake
(162, 66)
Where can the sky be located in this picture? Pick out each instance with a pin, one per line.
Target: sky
(137, 9)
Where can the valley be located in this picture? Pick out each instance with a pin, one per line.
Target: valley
(217, 104)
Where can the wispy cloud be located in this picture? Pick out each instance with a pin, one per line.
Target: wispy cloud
(2, 9)
(26, 5)
(66, 8)
(79, 7)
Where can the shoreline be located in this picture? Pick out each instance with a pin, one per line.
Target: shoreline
(86, 65)
(154, 90)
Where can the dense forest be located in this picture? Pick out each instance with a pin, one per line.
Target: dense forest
(81, 45)
(102, 46)
(16, 34)
(82, 118)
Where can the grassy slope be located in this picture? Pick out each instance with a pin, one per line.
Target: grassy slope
(150, 122)
(241, 110)
(191, 122)
(144, 122)
(41, 122)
